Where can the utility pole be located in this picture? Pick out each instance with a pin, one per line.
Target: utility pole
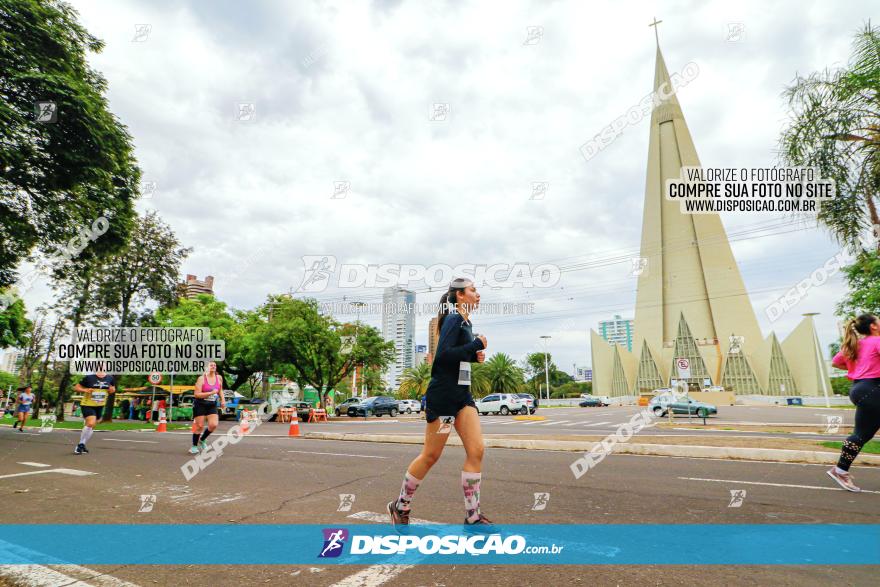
(546, 337)
(357, 324)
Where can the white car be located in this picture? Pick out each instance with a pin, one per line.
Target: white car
(408, 406)
(502, 403)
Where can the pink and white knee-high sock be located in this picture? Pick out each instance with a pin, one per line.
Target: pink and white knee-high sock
(470, 484)
(407, 491)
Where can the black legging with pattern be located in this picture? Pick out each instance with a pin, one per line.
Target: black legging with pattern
(865, 394)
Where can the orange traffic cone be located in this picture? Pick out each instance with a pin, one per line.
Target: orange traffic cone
(294, 426)
(163, 427)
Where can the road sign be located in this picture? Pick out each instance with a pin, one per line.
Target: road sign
(155, 378)
(684, 368)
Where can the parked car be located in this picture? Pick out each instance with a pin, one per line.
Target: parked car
(605, 399)
(531, 401)
(408, 406)
(661, 405)
(302, 410)
(502, 403)
(592, 402)
(342, 408)
(375, 406)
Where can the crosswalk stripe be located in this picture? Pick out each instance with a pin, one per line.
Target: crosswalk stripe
(596, 424)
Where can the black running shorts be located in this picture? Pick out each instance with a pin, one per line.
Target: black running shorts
(205, 409)
(438, 408)
(96, 411)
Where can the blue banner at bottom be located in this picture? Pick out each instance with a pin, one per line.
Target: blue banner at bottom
(362, 544)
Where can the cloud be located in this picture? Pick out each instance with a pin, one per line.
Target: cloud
(344, 92)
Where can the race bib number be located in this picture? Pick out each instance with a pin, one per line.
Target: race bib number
(464, 373)
(99, 396)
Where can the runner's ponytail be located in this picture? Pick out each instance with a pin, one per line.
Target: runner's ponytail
(855, 327)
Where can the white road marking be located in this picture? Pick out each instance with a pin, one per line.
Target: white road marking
(337, 454)
(773, 484)
(95, 578)
(532, 423)
(596, 424)
(377, 574)
(373, 576)
(554, 422)
(31, 575)
(38, 576)
(124, 440)
(386, 519)
(74, 472)
(30, 464)
(576, 423)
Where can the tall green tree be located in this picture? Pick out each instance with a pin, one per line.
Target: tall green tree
(145, 269)
(34, 347)
(862, 277)
(57, 331)
(310, 348)
(238, 329)
(533, 369)
(77, 305)
(835, 127)
(65, 158)
(14, 324)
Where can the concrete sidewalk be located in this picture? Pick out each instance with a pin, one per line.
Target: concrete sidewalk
(667, 450)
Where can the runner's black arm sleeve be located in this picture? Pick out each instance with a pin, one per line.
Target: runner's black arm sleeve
(448, 354)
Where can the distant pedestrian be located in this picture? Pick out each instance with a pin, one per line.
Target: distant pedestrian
(25, 399)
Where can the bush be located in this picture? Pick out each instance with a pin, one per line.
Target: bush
(840, 385)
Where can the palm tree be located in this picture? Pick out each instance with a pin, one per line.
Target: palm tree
(502, 374)
(480, 384)
(835, 127)
(414, 382)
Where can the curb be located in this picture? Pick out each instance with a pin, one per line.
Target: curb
(664, 450)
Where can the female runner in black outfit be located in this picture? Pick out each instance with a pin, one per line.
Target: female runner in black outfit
(449, 395)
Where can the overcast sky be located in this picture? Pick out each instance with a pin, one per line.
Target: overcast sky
(345, 91)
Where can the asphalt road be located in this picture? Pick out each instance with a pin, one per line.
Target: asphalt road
(581, 421)
(282, 480)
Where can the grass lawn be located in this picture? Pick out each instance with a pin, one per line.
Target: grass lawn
(77, 424)
(872, 447)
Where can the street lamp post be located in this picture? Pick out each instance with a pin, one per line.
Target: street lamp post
(819, 358)
(358, 306)
(546, 337)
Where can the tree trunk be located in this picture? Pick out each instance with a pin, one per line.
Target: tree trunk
(111, 397)
(875, 220)
(45, 369)
(78, 314)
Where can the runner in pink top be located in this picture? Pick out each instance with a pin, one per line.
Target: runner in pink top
(860, 356)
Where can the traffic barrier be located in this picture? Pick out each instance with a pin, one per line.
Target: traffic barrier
(317, 415)
(244, 421)
(294, 426)
(163, 424)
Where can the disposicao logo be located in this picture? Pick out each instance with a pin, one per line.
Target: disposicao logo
(334, 542)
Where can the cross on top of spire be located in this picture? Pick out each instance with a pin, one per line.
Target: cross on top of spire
(654, 24)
